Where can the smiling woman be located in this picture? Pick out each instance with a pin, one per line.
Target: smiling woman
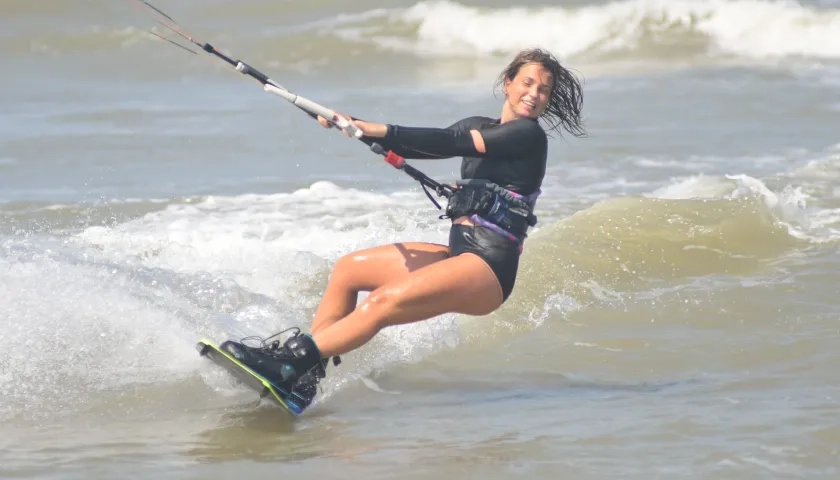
(504, 162)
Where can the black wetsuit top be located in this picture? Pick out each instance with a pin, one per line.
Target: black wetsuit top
(515, 159)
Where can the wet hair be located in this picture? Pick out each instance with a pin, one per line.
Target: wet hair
(566, 101)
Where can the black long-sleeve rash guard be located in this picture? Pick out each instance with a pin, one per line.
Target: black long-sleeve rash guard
(515, 152)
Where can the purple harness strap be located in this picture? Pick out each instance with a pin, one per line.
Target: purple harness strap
(531, 199)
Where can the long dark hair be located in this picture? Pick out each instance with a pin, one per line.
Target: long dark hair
(566, 102)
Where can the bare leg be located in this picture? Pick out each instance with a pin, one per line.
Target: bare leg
(367, 270)
(462, 284)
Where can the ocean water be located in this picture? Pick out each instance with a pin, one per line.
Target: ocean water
(676, 313)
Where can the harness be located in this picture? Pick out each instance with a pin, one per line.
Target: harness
(483, 201)
(511, 212)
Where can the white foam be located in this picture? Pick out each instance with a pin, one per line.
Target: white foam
(78, 330)
(657, 163)
(748, 28)
(823, 168)
(262, 241)
(789, 205)
(695, 186)
(827, 219)
(556, 304)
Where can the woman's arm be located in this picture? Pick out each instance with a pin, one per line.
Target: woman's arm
(420, 143)
(506, 140)
(509, 140)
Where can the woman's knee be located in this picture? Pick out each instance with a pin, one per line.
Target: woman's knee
(347, 271)
(382, 304)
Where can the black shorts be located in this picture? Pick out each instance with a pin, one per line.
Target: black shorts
(500, 253)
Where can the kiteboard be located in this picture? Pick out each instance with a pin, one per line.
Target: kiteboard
(249, 378)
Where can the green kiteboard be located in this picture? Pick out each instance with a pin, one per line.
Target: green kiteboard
(251, 379)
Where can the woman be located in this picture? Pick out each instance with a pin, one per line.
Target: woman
(503, 166)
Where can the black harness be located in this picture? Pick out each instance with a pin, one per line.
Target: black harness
(480, 197)
(492, 203)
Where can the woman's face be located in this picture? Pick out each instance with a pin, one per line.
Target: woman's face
(529, 92)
